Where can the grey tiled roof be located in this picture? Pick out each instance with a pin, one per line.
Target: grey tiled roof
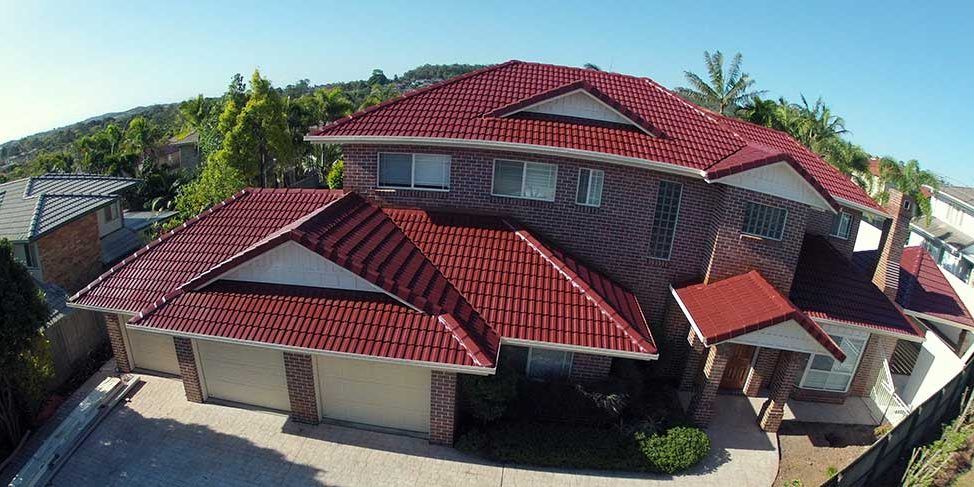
(962, 193)
(33, 206)
(944, 231)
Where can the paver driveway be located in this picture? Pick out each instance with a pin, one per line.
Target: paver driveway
(157, 438)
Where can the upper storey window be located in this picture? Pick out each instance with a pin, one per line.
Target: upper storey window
(589, 187)
(842, 225)
(764, 221)
(664, 219)
(414, 171)
(529, 180)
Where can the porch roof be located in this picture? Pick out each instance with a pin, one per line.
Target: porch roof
(743, 304)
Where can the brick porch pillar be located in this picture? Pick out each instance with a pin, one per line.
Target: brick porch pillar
(114, 329)
(790, 364)
(694, 358)
(187, 369)
(299, 372)
(761, 371)
(443, 407)
(878, 347)
(587, 367)
(701, 405)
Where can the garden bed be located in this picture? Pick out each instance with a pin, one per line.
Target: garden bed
(811, 452)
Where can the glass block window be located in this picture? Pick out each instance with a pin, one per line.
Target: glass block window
(664, 219)
(764, 221)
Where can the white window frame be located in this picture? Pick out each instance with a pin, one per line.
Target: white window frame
(412, 171)
(31, 253)
(588, 190)
(835, 233)
(570, 357)
(855, 368)
(784, 222)
(676, 222)
(524, 171)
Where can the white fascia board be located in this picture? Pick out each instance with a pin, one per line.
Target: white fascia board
(872, 331)
(942, 321)
(822, 203)
(415, 363)
(511, 146)
(686, 312)
(576, 348)
(862, 208)
(963, 203)
(101, 310)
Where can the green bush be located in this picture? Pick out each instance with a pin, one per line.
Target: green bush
(676, 450)
(486, 397)
(599, 404)
(563, 445)
(336, 174)
(473, 441)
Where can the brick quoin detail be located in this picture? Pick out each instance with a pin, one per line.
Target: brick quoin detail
(114, 328)
(187, 369)
(761, 371)
(694, 358)
(588, 367)
(71, 254)
(878, 347)
(443, 407)
(790, 365)
(299, 371)
(702, 404)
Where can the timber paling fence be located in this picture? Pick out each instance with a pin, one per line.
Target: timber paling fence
(885, 461)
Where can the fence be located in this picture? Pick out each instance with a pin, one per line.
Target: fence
(888, 405)
(73, 337)
(891, 452)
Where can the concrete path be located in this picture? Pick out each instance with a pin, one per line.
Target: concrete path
(158, 438)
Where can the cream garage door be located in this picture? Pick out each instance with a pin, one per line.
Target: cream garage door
(152, 351)
(248, 375)
(375, 393)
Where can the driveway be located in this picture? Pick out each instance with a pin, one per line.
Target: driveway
(158, 438)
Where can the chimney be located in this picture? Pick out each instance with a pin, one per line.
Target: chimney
(896, 231)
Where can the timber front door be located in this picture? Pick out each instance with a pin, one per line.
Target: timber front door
(735, 372)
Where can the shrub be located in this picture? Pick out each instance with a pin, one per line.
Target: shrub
(487, 397)
(592, 404)
(336, 174)
(473, 441)
(678, 449)
(563, 445)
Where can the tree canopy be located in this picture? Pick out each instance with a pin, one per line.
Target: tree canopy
(724, 91)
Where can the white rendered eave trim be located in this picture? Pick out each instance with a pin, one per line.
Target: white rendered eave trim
(942, 321)
(870, 330)
(579, 349)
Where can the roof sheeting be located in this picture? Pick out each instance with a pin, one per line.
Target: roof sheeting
(466, 108)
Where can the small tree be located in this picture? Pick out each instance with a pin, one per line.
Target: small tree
(336, 174)
(217, 182)
(24, 356)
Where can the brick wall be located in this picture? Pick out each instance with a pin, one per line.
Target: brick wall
(71, 254)
(701, 410)
(299, 372)
(443, 407)
(812, 395)
(187, 369)
(820, 223)
(114, 328)
(789, 368)
(896, 231)
(761, 371)
(878, 347)
(587, 367)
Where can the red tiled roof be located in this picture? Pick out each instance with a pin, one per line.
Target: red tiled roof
(743, 304)
(828, 286)
(525, 289)
(466, 108)
(310, 318)
(925, 289)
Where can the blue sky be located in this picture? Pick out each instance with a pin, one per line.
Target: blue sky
(896, 71)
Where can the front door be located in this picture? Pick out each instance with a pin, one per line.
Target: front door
(735, 372)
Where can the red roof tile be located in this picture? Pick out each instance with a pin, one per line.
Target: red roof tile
(828, 286)
(525, 289)
(310, 318)
(743, 304)
(925, 289)
(681, 134)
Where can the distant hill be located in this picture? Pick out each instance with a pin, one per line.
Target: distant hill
(16, 152)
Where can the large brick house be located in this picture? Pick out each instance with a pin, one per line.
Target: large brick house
(551, 218)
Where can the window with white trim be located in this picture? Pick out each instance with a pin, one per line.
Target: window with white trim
(665, 217)
(414, 171)
(529, 180)
(548, 364)
(590, 187)
(841, 225)
(824, 373)
(25, 254)
(109, 212)
(764, 221)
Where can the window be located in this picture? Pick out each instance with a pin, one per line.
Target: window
(414, 171)
(109, 212)
(825, 374)
(664, 219)
(25, 254)
(548, 364)
(841, 225)
(764, 221)
(590, 187)
(530, 180)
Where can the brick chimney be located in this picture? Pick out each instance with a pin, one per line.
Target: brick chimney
(896, 231)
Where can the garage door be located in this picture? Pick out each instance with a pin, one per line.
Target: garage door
(152, 351)
(248, 375)
(392, 396)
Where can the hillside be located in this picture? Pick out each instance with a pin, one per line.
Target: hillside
(166, 115)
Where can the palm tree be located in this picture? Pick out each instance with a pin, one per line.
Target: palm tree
(725, 91)
(815, 123)
(763, 112)
(591, 66)
(909, 178)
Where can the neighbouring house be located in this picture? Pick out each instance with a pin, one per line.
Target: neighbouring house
(553, 218)
(181, 152)
(949, 232)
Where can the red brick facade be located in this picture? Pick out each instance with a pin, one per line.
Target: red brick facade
(443, 407)
(761, 371)
(701, 409)
(691, 368)
(895, 234)
(70, 255)
(187, 369)
(790, 367)
(588, 368)
(820, 223)
(878, 348)
(299, 372)
(114, 328)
